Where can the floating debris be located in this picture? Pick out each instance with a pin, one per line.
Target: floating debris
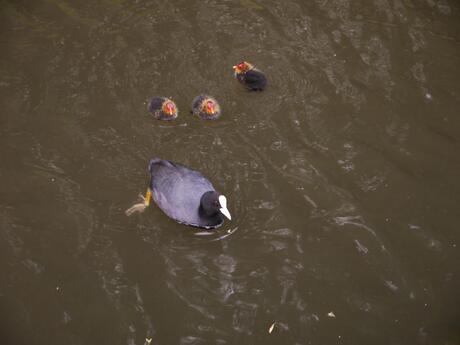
(66, 317)
(361, 248)
(331, 314)
(392, 286)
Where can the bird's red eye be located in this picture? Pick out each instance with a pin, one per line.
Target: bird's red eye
(241, 65)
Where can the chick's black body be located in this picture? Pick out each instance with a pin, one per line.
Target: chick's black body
(198, 107)
(252, 79)
(184, 194)
(156, 109)
(197, 102)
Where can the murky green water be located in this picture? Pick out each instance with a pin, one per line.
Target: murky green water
(342, 177)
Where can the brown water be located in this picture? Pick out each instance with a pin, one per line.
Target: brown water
(342, 177)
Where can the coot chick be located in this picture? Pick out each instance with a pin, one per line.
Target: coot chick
(206, 107)
(184, 195)
(250, 77)
(163, 108)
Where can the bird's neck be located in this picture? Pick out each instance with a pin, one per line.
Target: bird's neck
(206, 212)
(210, 217)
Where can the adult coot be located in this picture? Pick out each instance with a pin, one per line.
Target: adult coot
(184, 195)
(206, 107)
(163, 108)
(250, 77)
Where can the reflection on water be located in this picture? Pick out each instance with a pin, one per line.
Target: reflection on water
(342, 175)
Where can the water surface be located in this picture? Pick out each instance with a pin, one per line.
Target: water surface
(342, 177)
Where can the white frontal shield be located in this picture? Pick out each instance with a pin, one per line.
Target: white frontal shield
(223, 207)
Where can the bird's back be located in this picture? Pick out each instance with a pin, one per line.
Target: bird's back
(253, 79)
(196, 104)
(177, 190)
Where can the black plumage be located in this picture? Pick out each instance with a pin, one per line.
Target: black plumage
(163, 108)
(206, 107)
(185, 195)
(249, 76)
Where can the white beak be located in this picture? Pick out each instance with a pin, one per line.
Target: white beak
(225, 212)
(223, 209)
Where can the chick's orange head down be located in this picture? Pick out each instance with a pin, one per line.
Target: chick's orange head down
(242, 67)
(169, 108)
